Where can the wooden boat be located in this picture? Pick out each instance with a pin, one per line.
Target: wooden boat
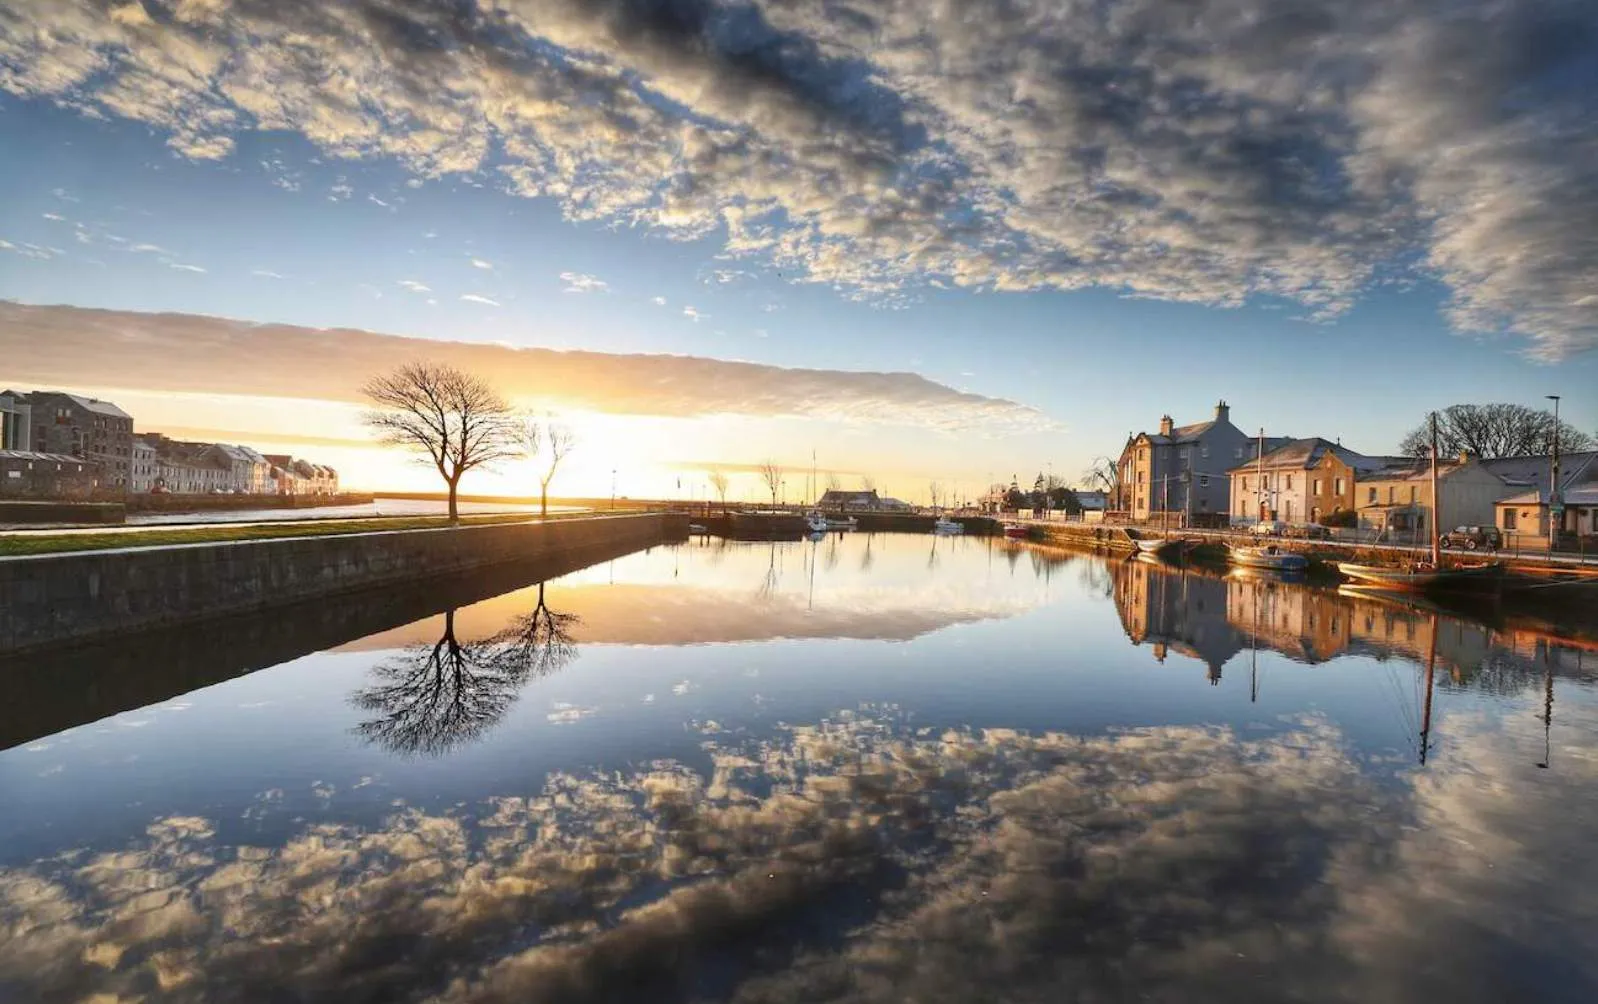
(1158, 546)
(1270, 557)
(1015, 531)
(1424, 575)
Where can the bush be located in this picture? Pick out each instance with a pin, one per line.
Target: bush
(1340, 517)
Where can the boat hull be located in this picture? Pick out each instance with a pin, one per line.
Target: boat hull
(1420, 579)
(1282, 561)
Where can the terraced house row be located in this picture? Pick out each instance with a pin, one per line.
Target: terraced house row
(54, 444)
(1212, 473)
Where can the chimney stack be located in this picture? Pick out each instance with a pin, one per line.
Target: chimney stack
(1223, 411)
(1165, 425)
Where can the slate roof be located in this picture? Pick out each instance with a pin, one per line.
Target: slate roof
(1301, 454)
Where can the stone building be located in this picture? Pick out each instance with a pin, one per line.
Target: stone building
(86, 427)
(30, 474)
(1183, 468)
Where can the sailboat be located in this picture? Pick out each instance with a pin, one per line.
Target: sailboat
(1421, 575)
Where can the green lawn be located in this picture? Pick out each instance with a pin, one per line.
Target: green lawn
(51, 543)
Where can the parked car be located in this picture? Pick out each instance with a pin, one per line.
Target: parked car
(1309, 531)
(1473, 538)
(1268, 528)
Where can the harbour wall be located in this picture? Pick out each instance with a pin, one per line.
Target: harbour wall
(53, 599)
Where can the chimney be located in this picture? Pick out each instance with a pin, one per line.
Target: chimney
(1465, 456)
(1223, 411)
(1165, 425)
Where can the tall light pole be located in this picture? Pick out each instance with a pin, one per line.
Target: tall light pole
(1556, 505)
(613, 488)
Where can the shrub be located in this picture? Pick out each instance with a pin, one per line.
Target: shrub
(1340, 517)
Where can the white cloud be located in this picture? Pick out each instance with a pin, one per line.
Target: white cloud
(480, 263)
(693, 313)
(181, 267)
(375, 200)
(659, 301)
(414, 286)
(474, 298)
(147, 249)
(1206, 152)
(55, 217)
(61, 193)
(27, 250)
(266, 273)
(578, 282)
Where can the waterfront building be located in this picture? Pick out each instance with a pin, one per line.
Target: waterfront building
(15, 421)
(31, 474)
(1300, 481)
(1397, 499)
(86, 427)
(1183, 469)
(1527, 512)
(142, 471)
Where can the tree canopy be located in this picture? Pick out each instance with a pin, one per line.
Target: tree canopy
(1494, 430)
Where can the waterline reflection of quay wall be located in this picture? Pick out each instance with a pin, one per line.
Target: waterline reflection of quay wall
(1212, 618)
(62, 688)
(54, 598)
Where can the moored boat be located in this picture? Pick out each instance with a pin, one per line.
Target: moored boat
(842, 523)
(1424, 575)
(815, 522)
(944, 524)
(1270, 557)
(1015, 531)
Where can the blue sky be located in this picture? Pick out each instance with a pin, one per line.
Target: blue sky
(251, 206)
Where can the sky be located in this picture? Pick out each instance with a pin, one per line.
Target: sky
(917, 241)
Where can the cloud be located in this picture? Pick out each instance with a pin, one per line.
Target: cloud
(1204, 152)
(577, 282)
(82, 347)
(376, 201)
(693, 313)
(55, 217)
(1174, 863)
(266, 273)
(480, 263)
(147, 249)
(659, 301)
(27, 250)
(414, 286)
(179, 266)
(474, 298)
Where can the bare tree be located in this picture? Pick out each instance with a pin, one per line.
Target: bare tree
(1106, 473)
(434, 698)
(1494, 430)
(935, 491)
(771, 474)
(453, 418)
(549, 443)
(833, 484)
(718, 481)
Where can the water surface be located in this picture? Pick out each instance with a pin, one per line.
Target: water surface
(874, 767)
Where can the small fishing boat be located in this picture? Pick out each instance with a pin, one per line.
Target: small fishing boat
(1015, 531)
(1423, 575)
(1270, 557)
(1159, 546)
(944, 524)
(842, 523)
(815, 522)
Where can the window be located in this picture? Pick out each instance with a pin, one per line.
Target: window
(1184, 452)
(1204, 480)
(1509, 519)
(1372, 496)
(1392, 494)
(1290, 482)
(1265, 482)
(1238, 453)
(1315, 486)
(1337, 486)
(1412, 494)
(1245, 484)
(1204, 451)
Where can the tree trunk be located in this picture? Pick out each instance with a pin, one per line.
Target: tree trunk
(543, 503)
(454, 506)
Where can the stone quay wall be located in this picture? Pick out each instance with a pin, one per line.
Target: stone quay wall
(53, 599)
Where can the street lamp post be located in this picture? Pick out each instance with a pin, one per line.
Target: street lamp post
(613, 488)
(1556, 505)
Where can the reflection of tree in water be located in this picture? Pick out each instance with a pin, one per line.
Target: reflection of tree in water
(436, 697)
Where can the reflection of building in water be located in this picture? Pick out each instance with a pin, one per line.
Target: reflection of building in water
(1210, 618)
(1181, 612)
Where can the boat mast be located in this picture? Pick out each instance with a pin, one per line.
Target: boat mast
(1436, 501)
(1426, 714)
(1261, 499)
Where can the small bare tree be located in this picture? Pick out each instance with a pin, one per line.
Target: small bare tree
(455, 419)
(771, 474)
(549, 443)
(935, 490)
(1105, 472)
(833, 484)
(718, 481)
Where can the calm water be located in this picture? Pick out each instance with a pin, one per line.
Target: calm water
(377, 507)
(873, 768)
